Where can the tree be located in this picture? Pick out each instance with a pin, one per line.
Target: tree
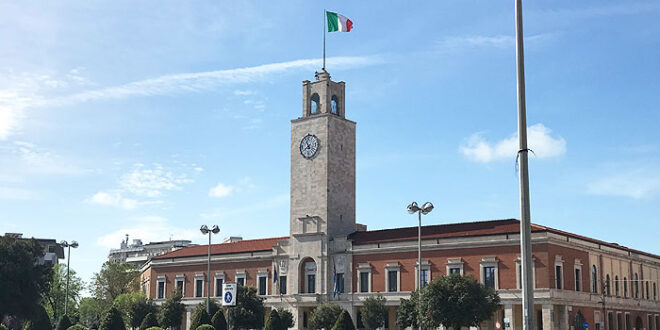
(408, 314)
(171, 311)
(77, 327)
(55, 297)
(273, 322)
(134, 306)
(90, 313)
(199, 317)
(23, 281)
(113, 280)
(286, 318)
(218, 320)
(249, 310)
(205, 327)
(64, 323)
(374, 312)
(149, 321)
(457, 301)
(344, 322)
(39, 320)
(325, 316)
(112, 320)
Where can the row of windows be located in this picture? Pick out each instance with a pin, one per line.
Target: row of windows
(652, 322)
(651, 290)
(199, 282)
(315, 107)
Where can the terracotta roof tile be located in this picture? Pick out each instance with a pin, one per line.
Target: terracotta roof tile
(252, 245)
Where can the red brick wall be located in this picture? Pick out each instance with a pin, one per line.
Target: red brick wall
(229, 268)
(568, 272)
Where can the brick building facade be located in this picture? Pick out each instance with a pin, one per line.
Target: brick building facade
(577, 279)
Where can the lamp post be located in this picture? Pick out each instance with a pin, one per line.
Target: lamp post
(67, 245)
(425, 209)
(205, 230)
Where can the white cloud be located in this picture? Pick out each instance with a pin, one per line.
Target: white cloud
(637, 184)
(497, 41)
(114, 199)
(539, 140)
(148, 229)
(19, 194)
(221, 190)
(151, 182)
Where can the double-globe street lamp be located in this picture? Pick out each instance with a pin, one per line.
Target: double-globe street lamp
(425, 209)
(67, 245)
(205, 230)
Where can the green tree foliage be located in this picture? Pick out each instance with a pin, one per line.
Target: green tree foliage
(344, 322)
(112, 320)
(134, 306)
(205, 327)
(249, 310)
(149, 321)
(2, 326)
(218, 320)
(22, 281)
(213, 307)
(155, 328)
(374, 312)
(55, 297)
(273, 322)
(39, 320)
(77, 327)
(457, 301)
(286, 317)
(113, 280)
(90, 312)
(199, 317)
(171, 312)
(64, 323)
(407, 314)
(325, 316)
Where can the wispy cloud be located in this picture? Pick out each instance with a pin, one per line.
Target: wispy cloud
(148, 229)
(636, 183)
(539, 137)
(152, 182)
(497, 41)
(628, 8)
(224, 190)
(115, 199)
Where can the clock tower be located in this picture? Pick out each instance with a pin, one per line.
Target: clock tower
(323, 162)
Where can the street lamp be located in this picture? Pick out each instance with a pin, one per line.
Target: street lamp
(205, 230)
(67, 245)
(425, 209)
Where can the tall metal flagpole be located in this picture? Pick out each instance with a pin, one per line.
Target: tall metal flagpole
(525, 223)
(325, 18)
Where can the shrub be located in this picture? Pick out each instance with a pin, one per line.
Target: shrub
(199, 317)
(374, 312)
(273, 322)
(77, 327)
(112, 320)
(149, 321)
(155, 328)
(286, 317)
(325, 316)
(218, 321)
(169, 315)
(2, 327)
(64, 323)
(205, 327)
(39, 320)
(344, 322)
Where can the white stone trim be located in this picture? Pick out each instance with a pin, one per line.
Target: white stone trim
(218, 275)
(455, 263)
(559, 262)
(578, 281)
(262, 273)
(240, 273)
(161, 279)
(518, 262)
(199, 277)
(426, 265)
(364, 268)
(489, 262)
(396, 267)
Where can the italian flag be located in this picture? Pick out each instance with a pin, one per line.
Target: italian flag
(337, 22)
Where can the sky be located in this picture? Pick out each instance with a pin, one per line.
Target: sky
(152, 118)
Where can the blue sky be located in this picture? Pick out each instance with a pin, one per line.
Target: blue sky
(152, 118)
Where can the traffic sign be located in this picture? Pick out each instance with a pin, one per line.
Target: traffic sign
(229, 294)
(498, 325)
(585, 325)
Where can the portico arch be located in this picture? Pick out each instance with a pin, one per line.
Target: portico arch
(307, 275)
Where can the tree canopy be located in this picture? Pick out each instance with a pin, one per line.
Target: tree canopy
(169, 315)
(249, 311)
(112, 320)
(374, 312)
(23, 281)
(199, 317)
(344, 322)
(134, 306)
(55, 296)
(90, 312)
(407, 314)
(286, 318)
(324, 316)
(64, 323)
(218, 320)
(113, 280)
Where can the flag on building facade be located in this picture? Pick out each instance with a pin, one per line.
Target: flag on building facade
(337, 22)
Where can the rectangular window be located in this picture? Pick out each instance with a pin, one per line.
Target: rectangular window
(454, 270)
(558, 277)
(610, 321)
(578, 280)
(425, 277)
(628, 323)
(364, 282)
(282, 282)
(311, 283)
(619, 322)
(262, 285)
(199, 287)
(489, 277)
(340, 282)
(392, 281)
(218, 286)
(179, 286)
(240, 280)
(161, 289)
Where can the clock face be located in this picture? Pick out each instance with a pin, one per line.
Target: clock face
(309, 145)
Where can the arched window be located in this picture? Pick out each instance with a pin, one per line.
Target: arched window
(636, 284)
(616, 285)
(625, 287)
(607, 284)
(334, 105)
(594, 279)
(314, 104)
(308, 276)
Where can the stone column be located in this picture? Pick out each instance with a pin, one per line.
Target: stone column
(508, 314)
(188, 316)
(548, 321)
(563, 317)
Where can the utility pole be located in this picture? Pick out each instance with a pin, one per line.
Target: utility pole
(525, 222)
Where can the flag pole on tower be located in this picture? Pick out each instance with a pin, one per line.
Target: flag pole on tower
(325, 17)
